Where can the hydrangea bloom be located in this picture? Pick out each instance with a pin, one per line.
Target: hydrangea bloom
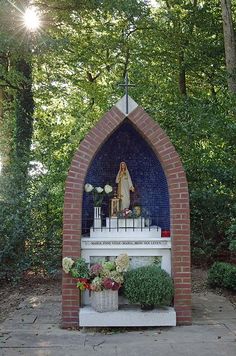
(122, 263)
(109, 265)
(67, 263)
(117, 277)
(96, 269)
(108, 283)
(96, 284)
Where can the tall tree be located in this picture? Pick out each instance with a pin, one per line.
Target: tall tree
(230, 46)
(16, 78)
(169, 51)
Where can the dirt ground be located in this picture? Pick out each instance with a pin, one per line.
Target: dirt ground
(11, 296)
(199, 284)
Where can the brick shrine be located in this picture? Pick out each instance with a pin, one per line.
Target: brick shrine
(171, 194)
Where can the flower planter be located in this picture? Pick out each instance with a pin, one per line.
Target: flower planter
(104, 301)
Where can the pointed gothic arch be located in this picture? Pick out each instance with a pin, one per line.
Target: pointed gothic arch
(178, 202)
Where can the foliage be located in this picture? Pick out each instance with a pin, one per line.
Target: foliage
(72, 67)
(148, 285)
(231, 231)
(80, 269)
(232, 245)
(222, 274)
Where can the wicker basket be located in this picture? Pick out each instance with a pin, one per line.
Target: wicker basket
(104, 301)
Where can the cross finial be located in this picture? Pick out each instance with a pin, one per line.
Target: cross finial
(126, 85)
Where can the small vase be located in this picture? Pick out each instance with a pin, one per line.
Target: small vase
(148, 222)
(97, 220)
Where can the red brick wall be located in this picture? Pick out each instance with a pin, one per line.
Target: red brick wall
(179, 208)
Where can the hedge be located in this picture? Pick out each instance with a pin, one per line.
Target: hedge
(222, 274)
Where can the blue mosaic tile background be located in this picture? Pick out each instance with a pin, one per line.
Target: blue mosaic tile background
(147, 175)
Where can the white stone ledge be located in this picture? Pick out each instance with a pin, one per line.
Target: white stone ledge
(127, 242)
(127, 317)
(125, 232)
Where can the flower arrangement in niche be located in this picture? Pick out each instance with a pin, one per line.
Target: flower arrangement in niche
(100, 276)
(98, 193)
(136, 212)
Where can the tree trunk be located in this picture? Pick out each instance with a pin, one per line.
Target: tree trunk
(229, 42)
(24, 115)
(182, 75)
(1, 103)
(24, 108)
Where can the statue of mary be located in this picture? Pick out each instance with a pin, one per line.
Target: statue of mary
(125, 185)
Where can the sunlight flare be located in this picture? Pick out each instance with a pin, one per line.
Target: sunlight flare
(31, 19)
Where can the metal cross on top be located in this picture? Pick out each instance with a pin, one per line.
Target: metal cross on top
(126, 85)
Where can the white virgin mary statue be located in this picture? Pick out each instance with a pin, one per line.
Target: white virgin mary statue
(125, 185)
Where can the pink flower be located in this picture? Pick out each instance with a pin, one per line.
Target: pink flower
(115, 286)
(127, 212)
(96, 269)
(108, 283)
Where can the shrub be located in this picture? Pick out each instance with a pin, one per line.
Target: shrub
(232, 245)
(148, 285)
(222, 274)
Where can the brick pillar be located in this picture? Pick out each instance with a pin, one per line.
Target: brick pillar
(179, 210)
(73, 209)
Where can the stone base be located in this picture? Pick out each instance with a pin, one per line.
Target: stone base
(127, 316)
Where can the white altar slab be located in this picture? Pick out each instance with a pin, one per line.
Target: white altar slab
(128, 316)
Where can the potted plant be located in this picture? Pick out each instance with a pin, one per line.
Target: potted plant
(148, 286)
(103, 280)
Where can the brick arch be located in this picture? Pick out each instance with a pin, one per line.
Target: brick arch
(179, 207)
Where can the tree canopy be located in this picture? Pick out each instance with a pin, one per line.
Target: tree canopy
(56, 83)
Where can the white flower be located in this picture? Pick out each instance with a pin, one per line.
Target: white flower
(88, 188)
(108, 189)
(67, 263)
(99, 189)
(122, 262)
